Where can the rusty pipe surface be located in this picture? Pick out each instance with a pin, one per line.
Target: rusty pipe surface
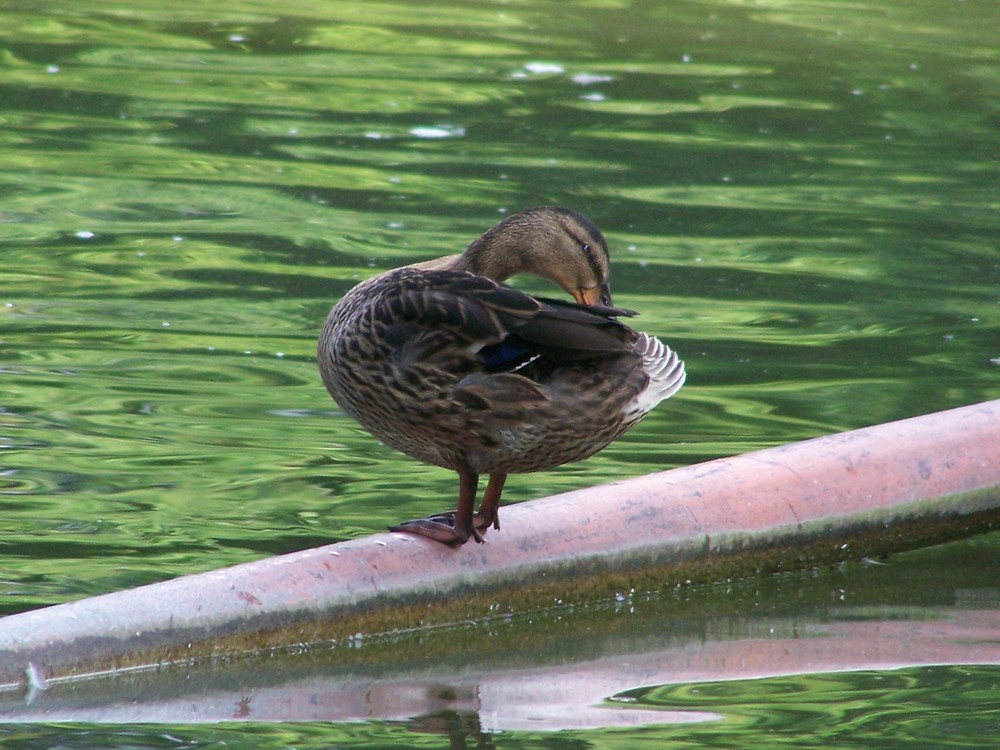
(866, 492)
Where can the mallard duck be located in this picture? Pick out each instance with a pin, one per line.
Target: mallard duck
(447, 364)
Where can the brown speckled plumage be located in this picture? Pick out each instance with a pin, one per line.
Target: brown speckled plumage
(455, 369)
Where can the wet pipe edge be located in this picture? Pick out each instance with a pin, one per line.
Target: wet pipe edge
(858, 494)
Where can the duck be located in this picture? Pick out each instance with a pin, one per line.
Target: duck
(443, 361)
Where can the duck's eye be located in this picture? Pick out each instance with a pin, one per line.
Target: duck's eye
(586, 248)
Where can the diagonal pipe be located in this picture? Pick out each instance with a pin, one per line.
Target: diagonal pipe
(862, 493)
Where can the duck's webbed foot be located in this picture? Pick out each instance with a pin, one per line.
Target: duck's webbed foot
(445, 528)
(456, 527)
(489, 510)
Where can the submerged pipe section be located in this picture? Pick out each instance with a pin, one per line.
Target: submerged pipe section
(856, 494)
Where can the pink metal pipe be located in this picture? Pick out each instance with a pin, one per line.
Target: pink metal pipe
(866, 492)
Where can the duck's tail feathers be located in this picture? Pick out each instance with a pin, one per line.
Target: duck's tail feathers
(664, 368)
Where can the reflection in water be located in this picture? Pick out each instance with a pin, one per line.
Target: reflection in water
(702, 657)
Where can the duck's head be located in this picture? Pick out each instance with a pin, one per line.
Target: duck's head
(549, 241)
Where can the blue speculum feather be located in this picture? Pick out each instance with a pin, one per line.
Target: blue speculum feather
(506, 355)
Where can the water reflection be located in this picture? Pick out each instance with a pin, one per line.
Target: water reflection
(772, 652)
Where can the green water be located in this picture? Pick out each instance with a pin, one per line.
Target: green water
(800, 198)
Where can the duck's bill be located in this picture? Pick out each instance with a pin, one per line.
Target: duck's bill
(595, 295)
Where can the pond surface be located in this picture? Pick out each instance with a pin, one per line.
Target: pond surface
(801, 199)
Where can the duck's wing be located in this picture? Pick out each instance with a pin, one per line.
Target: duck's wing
(571, 331)
(428, 315)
